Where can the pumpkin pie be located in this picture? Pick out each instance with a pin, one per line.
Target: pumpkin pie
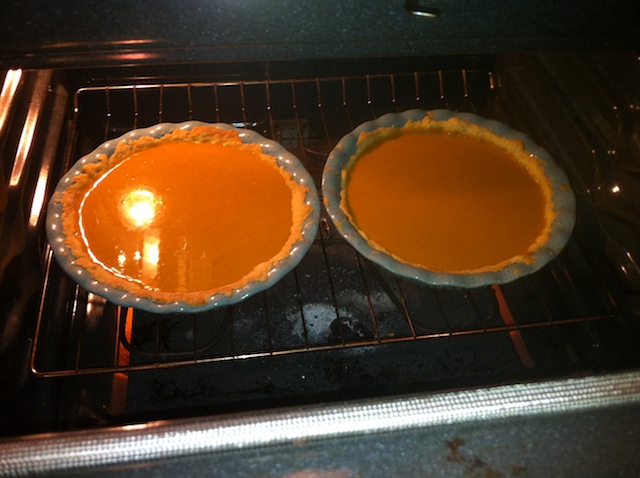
(448, 196)
(184, 216)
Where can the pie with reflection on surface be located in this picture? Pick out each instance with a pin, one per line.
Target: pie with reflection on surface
(183, 217)
(448, 196)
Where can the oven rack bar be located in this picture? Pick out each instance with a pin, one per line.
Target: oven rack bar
(315, 307)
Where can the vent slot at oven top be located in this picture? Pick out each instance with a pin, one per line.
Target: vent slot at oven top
(335, 299)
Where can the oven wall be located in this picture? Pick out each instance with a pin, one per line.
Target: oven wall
(79, 33)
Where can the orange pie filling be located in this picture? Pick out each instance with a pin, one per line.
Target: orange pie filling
(181, 218)
(448, 196)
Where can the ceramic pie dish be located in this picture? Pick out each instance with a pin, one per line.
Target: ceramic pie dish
(449, 188)
(183, 217)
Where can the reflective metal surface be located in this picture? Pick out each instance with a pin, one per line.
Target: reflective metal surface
(160, 441)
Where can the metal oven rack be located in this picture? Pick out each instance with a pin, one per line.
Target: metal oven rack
(335, 298)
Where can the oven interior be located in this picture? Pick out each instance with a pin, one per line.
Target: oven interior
(338, 327)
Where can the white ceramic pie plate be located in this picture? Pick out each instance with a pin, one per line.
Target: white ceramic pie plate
(56, 232)
(563, 199)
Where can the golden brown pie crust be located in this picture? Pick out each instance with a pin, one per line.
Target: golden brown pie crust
(80, 217)
(359, 195)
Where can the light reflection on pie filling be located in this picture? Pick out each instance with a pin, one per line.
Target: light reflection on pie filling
(187, 216)
(448, 202)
